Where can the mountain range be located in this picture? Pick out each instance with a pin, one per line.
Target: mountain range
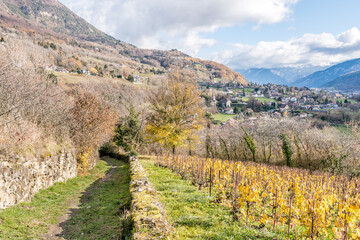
(325, 77)
(283, 76)
(341, 76)
(46, 22)
(347, 82)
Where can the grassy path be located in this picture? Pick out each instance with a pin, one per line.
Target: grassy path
(86, 207)
(193, 213)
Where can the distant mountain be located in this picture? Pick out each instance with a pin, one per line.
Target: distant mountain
(51, 21)
(291, 74)
(285, 75)
(321, 78)
(350, 81)
(262, 76)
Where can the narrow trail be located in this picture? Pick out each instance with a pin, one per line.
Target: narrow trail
(57, 231)
(82, 208)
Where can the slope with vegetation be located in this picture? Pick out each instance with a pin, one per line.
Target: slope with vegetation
(77, 43)
(350, 81)
(321, 78)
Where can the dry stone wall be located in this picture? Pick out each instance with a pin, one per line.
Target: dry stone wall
(149, 216)
(21, 178)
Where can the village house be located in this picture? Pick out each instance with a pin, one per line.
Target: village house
(234, 99)
(137, 79)
(225, 103)
(293, 99)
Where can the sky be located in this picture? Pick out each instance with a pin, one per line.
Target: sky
(239, 33)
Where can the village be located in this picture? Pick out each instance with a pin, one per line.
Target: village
(98, 71)
(276, 100)
(234, 100)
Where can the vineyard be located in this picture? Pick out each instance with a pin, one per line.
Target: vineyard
(302, 204)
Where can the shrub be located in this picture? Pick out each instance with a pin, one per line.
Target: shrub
(40, 117)
(92, 124)
(129, 132)
(287, 150)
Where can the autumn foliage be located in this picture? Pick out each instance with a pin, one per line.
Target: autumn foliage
(303, 204)
(92, 124)
(40, 117)
(176, 113)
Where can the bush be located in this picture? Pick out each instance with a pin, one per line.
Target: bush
(39, 117)
(92, 124)
(130, 78)
(32, 111)
(302, 143)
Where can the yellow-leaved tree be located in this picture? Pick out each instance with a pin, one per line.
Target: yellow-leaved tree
(176, 113)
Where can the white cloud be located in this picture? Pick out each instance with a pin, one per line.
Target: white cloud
(176, 24)
(310, 49)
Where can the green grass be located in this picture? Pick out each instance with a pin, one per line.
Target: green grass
(99, 212)
(343, 129)
(260, 99)
(96, 218)
(194, 214)
(236, 90)
(249, 90)
(352, 101)
(223, 117)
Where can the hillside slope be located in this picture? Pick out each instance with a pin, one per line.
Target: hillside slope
(49, 19)
(51, 14)
(320, 78)
(350, 81)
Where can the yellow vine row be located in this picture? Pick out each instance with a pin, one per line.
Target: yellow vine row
(307, 205)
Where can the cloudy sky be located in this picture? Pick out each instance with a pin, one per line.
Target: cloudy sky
(239, 33)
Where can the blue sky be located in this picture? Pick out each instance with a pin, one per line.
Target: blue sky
(308, 16)
(239, 33)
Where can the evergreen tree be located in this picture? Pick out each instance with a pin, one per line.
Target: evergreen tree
(287, 150)
(129, 134)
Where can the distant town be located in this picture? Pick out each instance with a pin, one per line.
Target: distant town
(237, 101)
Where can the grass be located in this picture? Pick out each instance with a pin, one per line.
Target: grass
(96, 218)
(223, 117)
(73, 78)
(249, 90)
(260, 99)
(234, 90)
(194, 213)
(100, 209)
(352, 101)
(343, 129)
